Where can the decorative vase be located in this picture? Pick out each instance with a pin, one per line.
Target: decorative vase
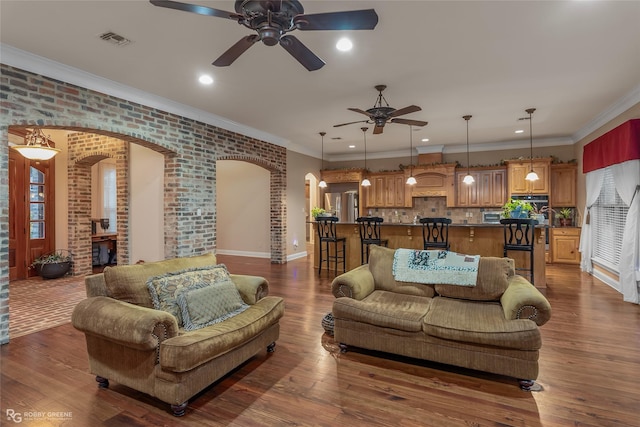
(565, 222)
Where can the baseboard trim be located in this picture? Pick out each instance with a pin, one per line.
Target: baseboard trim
(297, 255)
(243, 253)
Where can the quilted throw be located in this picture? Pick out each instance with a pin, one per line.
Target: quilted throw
(435, 267)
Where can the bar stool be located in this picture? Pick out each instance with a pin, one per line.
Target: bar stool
(370, 235)
(435, 233)
(326, 238)
(519, 236)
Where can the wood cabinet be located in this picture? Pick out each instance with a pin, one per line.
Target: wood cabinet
(434, 181)
(563, 185)
(517, 171)
(341, 175)
(565, 242)
(488, 190)
(387, 190)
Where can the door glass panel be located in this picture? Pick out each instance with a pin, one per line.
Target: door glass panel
(35, 176)
(36, 193)
(36, 211)
(37, 230)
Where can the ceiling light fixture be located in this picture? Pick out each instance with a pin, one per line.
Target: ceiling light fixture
(365, 181)
(425, 139)
(531, 176)
(411, 180)
(468, 179)
(322, 183)
(205, 79)
(519, 131)
(344, 45)
(37, 146)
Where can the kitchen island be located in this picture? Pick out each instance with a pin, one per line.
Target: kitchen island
(471, 239)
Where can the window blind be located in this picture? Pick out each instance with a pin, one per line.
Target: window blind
(608, 216)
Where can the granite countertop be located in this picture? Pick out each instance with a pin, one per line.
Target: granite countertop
(453, 224)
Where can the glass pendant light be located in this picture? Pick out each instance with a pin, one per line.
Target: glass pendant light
(411, 180)
(531, 176)
(365, 181)
(322, 183)
(468, 179)
(37, 146)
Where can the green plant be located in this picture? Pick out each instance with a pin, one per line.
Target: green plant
(565, 213)
(315, 211)
(54, 257)
(516, 205)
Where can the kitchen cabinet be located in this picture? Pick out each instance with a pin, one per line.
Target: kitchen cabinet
(435, 181)
(563, 185)
(565, 242)
(387, 190)
(488, 190)
(517, 170)
(341, 175)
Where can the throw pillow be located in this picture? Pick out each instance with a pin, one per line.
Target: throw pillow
(212, 304)
(163, 288)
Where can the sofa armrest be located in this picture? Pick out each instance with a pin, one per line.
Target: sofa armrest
(522, 300)
(127, 324)
(251, 288)
(356, 283)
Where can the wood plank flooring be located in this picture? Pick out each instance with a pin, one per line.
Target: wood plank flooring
(589, 366)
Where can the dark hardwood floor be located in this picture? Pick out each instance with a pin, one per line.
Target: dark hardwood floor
(589, 364)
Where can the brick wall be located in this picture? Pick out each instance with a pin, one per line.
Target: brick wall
(191, 149)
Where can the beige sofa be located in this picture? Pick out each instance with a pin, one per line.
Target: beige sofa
(491, 327)
(134, 344)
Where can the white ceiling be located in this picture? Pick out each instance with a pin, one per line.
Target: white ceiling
(577, 62)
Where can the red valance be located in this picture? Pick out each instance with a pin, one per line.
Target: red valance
(616, 146)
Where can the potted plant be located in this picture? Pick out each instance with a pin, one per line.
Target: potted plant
(565, 217)
(316, 212)
(53, 265)
(516, 209)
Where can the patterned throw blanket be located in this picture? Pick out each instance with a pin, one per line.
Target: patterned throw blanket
(435, 267)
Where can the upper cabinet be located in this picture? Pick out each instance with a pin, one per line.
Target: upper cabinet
(488, 190)
(341, 175)
(517, 170)
(387, 190)
(563, 183)
(435, 180)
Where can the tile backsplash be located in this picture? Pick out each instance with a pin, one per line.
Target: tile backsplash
(430, 207)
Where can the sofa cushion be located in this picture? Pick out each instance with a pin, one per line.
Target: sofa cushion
(129, 282)
(211, 304)
(385, 309)
(492, 281)
(480, 323)
(381, 267)
(165, 287)
(193, 348)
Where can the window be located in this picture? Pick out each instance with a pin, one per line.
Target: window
(608, 216)
(36, 204)
(109, 193)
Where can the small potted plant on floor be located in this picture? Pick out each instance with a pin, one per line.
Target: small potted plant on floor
(565, 217)
(53, 265)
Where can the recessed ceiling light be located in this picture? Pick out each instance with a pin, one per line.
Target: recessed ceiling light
(205, 79)
(519, 131)
(344, 45)
(425, 139)
(352, 146)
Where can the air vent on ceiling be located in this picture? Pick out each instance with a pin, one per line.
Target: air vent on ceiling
(114, 38)
(336, 138)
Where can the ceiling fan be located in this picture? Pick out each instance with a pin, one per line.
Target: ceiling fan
(273, 19)
(381, 114)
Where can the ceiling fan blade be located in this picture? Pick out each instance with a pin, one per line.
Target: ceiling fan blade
(409, 122)
(405, 110)
(357, 110)
(350, 123)
(351, 20)
(302, 53)
(194, 8)
(235, 51)
(377, 129)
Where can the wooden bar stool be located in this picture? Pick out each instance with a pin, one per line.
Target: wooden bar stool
(327, 239)
(519, 236)
(370, 235)
(435, 233)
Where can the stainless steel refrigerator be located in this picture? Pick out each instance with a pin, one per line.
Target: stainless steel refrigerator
(343, 205)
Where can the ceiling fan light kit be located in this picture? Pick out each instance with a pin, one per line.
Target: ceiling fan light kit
(468, 179)
(531, 176)
(273, 19)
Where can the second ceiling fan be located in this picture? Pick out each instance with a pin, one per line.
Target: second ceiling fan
(381, 114)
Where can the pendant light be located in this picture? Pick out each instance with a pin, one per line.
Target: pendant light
(531, 176)
(468, 179)
(322, 183)
(37, 146)
(411, 180)
(365, 181)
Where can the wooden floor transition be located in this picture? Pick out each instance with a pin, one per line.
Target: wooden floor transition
(589, 364)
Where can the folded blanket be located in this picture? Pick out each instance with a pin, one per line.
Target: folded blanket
(435, 267)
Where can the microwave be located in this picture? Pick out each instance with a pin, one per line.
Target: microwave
(491, 217)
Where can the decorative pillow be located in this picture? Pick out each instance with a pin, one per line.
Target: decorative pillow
(163, 288)
(202, 307)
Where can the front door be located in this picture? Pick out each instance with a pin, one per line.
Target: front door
(31, 212)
